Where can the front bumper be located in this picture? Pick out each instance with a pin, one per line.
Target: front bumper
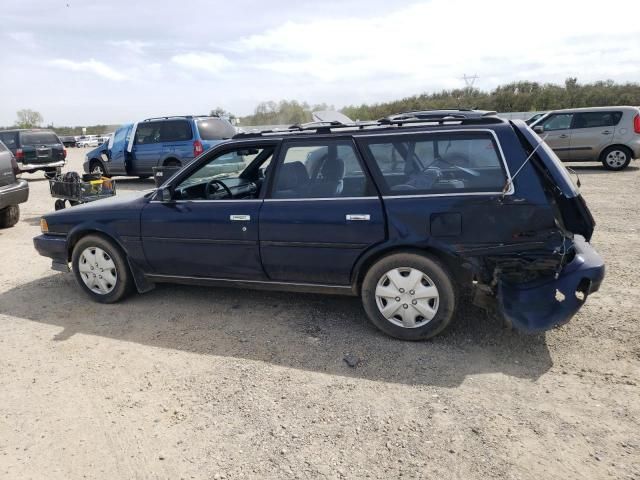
(27, 167)
(14, 193)
(54, 247)
(542, 305)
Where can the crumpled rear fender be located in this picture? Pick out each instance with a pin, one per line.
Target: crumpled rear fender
(537, 306)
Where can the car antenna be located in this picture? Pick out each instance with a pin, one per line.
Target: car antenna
(509, 182)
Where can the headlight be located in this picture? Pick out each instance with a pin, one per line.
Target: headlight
(44, 227)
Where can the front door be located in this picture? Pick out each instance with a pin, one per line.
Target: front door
(197, 235)
(321, 215)
(591, 132)
(117, 150)
(557, 134)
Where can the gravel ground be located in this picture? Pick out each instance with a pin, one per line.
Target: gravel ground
(188, 382)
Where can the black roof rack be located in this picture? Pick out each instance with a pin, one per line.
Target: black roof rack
(408, 119)
(180, 116)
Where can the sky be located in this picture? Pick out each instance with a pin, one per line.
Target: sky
(82, 62)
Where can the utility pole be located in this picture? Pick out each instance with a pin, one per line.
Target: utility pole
(469, 80)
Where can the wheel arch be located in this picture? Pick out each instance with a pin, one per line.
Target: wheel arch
(452, 262)
(621, 146)
(142, 284)
(171, 158)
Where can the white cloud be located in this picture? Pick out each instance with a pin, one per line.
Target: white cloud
(203, 61)
(89, 66)
(133, 46)
(25, 39)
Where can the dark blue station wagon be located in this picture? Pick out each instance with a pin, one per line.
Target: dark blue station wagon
(409, 212)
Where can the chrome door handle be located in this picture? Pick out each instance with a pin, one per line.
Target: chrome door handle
(362, 217)
(240, 218)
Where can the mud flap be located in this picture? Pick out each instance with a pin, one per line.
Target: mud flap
(541, 305)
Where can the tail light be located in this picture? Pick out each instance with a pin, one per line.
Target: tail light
(19, 154)
(197, 148)
(64, 153)
(636, 123)
(14, 165)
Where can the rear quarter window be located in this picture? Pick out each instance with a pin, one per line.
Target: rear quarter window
(10, 139)
(215, 129)
(596, 119)
(437, 163)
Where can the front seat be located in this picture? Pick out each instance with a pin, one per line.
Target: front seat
(292, 181)
(330, 180)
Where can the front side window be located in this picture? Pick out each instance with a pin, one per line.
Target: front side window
(327, 169)
(148, 132)
(596, 119)
(561, 121)
(226, 174)
(437, 163)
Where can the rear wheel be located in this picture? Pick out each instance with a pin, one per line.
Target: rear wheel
(616, 158)
(172, 163)
(409, 296)
(9, 216)
(101, 269)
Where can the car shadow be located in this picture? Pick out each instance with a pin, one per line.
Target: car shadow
(599, 169)
(301, 331)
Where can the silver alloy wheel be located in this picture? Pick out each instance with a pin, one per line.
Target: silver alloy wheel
(98, 270)
(616, 158)
(407, 297)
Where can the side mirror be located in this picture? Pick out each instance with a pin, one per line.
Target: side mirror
(538, 129)
(165, 195)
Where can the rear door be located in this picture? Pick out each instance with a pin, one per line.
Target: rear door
(557, 134)
(591, 132)
(322, 213)
(41, 146)
(146, 149)
(6, 168)
(176, 137)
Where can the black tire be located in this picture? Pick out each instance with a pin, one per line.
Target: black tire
(124, 284)
(439, 277)
(50, 173)
(172, 163)
(9, 216)
(97, 168)
(59, 204)
(616, 158)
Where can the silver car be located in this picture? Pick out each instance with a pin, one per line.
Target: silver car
(610, 135)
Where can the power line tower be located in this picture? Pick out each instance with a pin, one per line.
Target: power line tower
(469, 80)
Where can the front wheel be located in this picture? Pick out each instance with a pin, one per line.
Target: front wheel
(101, 269)
(96, 168)
(409, 296)
(616, 158)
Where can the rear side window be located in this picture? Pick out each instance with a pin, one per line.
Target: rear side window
(437, 163)
(10, 139)
(38, 138)
(596, 119)
(175, 131)
(215, 129)
(2, 147)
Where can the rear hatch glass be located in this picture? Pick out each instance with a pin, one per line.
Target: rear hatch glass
(215, 129)
(39, 138)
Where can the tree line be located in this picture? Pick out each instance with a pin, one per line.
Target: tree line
(523, 96)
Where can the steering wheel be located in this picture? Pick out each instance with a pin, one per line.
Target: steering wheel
(210, 192)
(449, 161)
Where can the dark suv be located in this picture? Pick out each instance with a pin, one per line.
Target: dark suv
(35, 149)
(408, 212)
(135, 149)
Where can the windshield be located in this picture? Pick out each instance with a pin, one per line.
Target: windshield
(39, 138)
(215, 129)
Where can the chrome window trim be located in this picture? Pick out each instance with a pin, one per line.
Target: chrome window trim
(509, 179)
(321, 199)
